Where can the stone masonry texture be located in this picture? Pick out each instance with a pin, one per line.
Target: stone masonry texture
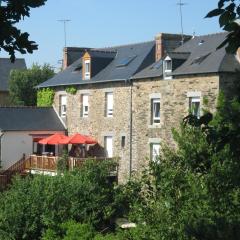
(174, 100)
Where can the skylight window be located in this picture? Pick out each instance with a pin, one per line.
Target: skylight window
(78, 68)
(199, 60)
(157, 65)
(201, 42)
(125, 61)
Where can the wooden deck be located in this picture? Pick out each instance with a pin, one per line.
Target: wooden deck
(47, 165)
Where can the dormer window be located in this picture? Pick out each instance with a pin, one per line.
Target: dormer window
(87, 69)
(167, 68)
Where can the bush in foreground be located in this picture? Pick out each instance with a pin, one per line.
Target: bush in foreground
(33, 205)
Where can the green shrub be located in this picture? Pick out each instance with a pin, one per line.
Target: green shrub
(45, 97)
(34, 205)
(62, 162)
(71, 90)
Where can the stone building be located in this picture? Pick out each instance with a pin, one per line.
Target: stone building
(5, 68)
(130, 97)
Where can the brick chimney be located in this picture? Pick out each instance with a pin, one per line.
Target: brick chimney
(71, 54)
(166, 42)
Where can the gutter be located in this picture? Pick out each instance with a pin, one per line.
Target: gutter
(130, 127)
(81, 83)
(1, 135)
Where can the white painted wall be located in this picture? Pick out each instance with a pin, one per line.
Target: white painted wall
(14, 145)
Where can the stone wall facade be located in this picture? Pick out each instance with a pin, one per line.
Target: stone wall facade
(97, 124)
(174, 106)
(132, 113)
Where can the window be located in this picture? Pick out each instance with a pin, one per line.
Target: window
(108, 145)
(194, 106)
(167, 68)
(155, 111)
(63, 105)
(157, 65)
(87, 69)
(123, 141)
(109, 104)
(85, 105)
(154, 151)
(168, 65)
(125, 61)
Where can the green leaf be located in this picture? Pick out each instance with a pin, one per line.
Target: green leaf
(225, 18)
(215, 13)
(221, 3)
(231, 7)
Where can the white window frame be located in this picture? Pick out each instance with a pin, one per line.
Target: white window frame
(85, 105)
(167, 71)
(153, 154)
(63, 107)
(192, 100)
(87, 66)
(107, 140)
(155, 120)
(109, 104)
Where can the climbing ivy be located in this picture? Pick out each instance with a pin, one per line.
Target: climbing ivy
(45, 97)
(71, 90)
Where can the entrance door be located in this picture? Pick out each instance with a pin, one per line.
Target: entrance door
(108, 142)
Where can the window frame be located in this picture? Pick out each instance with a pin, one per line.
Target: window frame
(155, 120)
(63, 111)
(85, 113)
(153, 157)
(87, 66)
(108, 110)
(192, 101)
(166, 71)
(106, 148)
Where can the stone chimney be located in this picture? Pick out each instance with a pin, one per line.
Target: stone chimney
(71, 54)
(166, 42)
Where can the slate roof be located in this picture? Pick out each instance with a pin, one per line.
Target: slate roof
(202, 58)
(29, 119)
(143, 53)
(5, 67)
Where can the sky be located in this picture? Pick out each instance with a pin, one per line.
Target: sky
(102, 23)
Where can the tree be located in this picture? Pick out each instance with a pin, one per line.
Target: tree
(228, 12)
(11, 38)
(39, 204)
(23, 82)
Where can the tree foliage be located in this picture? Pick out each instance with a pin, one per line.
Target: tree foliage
(193, 191)
(45, 97)
(228, 12)
(33, 205)
(11, 38)
(23, 82)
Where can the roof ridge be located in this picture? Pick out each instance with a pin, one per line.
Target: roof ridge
(211, 34)
(126, 45)
(101, 51)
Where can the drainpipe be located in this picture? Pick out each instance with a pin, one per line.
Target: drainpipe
(130, 127)
(1, 135)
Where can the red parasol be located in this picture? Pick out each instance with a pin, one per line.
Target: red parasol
(54, 139)
(79, 139)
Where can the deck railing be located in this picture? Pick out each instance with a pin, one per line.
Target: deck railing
(46, 163)
(17, 168)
